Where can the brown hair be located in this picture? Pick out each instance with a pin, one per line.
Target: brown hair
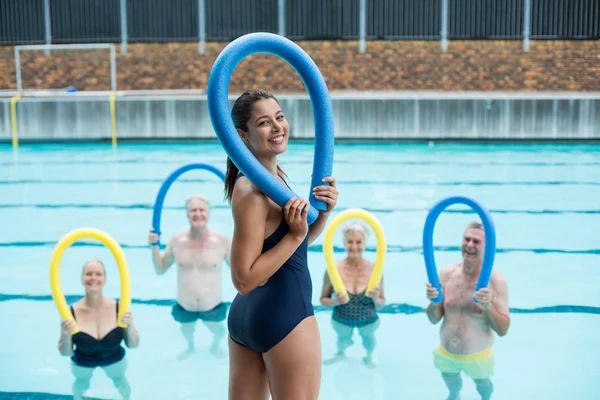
(241, 113)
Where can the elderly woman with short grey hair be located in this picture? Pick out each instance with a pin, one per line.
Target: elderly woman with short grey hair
(358, 308)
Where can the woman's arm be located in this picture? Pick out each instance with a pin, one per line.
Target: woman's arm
(380, 300)
(326, 299)
(65, 343)
(377, 295)
(250, 209)
(132, 337)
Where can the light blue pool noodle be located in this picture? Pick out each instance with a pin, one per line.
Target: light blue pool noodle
(164, 188)
(490, 242)
(218, 108)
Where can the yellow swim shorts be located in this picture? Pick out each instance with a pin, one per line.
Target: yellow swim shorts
(478, 365)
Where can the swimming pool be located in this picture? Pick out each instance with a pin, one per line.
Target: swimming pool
(543, 198)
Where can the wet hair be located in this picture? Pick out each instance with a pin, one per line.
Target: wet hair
(355, 226)
(197, 196)
(96, 260)
(241, 113)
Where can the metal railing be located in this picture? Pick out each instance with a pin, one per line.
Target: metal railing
(130, 21)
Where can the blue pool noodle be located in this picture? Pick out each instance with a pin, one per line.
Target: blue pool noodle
(164, 188)
(218, 108)
(490, 242)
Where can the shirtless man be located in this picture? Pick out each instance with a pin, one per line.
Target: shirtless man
(467, 330)
(199, 252)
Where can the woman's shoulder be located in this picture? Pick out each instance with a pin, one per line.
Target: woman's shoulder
(109, 302)
(245, 194)
(78, 304)
(243, 186)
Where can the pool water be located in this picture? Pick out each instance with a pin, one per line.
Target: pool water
(543, 198)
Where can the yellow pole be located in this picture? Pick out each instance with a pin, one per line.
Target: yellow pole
(113, 119)
(13, 120)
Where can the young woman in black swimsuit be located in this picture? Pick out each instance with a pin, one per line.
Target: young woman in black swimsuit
(274, 344)
(98, 342)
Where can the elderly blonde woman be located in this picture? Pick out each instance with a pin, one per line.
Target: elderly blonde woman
(358, 308)
(98, 342)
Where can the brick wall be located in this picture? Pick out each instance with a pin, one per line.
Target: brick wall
(386, 65)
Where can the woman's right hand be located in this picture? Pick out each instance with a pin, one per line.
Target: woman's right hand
(341, 298)
(152, 237)
(296, 216)
(67, 326)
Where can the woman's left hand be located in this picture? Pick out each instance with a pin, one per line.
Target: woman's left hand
(374, 293)
(327, 193)
(127, 318)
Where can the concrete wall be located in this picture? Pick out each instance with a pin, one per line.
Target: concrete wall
(357, 116)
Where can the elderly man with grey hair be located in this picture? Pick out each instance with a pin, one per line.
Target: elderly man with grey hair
(358, 308)
(467, 332)
(199, 252)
